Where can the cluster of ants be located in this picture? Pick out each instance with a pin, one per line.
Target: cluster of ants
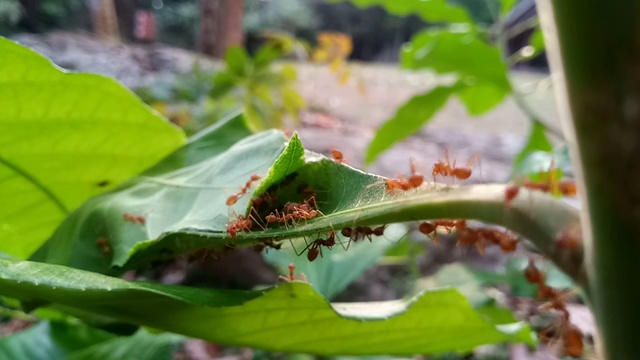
(468, 237)
(570, 335)
(291, 212)
(306, 209)
(545, 183)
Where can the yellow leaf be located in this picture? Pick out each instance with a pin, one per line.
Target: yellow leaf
(335, 65)
(344, 76)
(160, 107)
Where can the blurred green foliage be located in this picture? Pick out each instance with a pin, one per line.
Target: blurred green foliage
(267, 93)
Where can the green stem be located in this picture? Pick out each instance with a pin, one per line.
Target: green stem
(537, 216)
(594, 47)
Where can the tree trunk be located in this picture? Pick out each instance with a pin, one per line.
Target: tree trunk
(594, 53)
(105, 20)
(220, 26)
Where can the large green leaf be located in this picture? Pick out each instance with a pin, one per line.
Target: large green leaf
(482, 81)
(456, 50)
(192, 195)
(409, 118)
(65, 137)
(431, 11)
(56, 340)
(291, 317)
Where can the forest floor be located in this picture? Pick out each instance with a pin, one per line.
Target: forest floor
(347, 118)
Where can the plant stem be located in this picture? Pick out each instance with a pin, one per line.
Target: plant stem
(594, 48)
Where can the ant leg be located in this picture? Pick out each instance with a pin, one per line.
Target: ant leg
(476, 159)
(257, 222)
(339, 241)
(303, 250)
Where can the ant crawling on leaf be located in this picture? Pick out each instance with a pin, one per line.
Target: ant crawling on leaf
(446, 169)
(135, 219)
(235, 197)
(103, 243)
(337, 156)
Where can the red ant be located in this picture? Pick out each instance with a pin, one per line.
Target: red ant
(337, 156)
(239, 224)
(414, 181)
(549, 185)
(447, 169)
(234, 198)
(314, 249)
(103, 243)
(361, 232)
(428, 228)
(571, 335)
(135, 219)
(569, 238)
(292, 275)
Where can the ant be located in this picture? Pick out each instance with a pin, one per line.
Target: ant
(571, 334)
(243, 190)
(428, 228)
(239, 224)
(414, 181)
(569, 238)
(292, 275)
(361, 232)
(103, 243)
(445, 168)
(337, 156)
(315, 248)
(135, 219)
(548, 185)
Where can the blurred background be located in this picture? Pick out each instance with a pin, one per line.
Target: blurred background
(333, 72)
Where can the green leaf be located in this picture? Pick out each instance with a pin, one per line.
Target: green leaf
(480, 97)
(237, 61)
(50, 340)
(289, 72)
(54, 340)
(538, 141)
(537, 164)
(408, 120)
(143, 345)
(336, 269)
(66, 137)
(292, 102)
(462, 279)
(265, 56)
(537, 42)
(431, 11)
(507, 6)
(457, 50)
(207, 143)
(187, 190)
(275, 319)
(223, 83)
